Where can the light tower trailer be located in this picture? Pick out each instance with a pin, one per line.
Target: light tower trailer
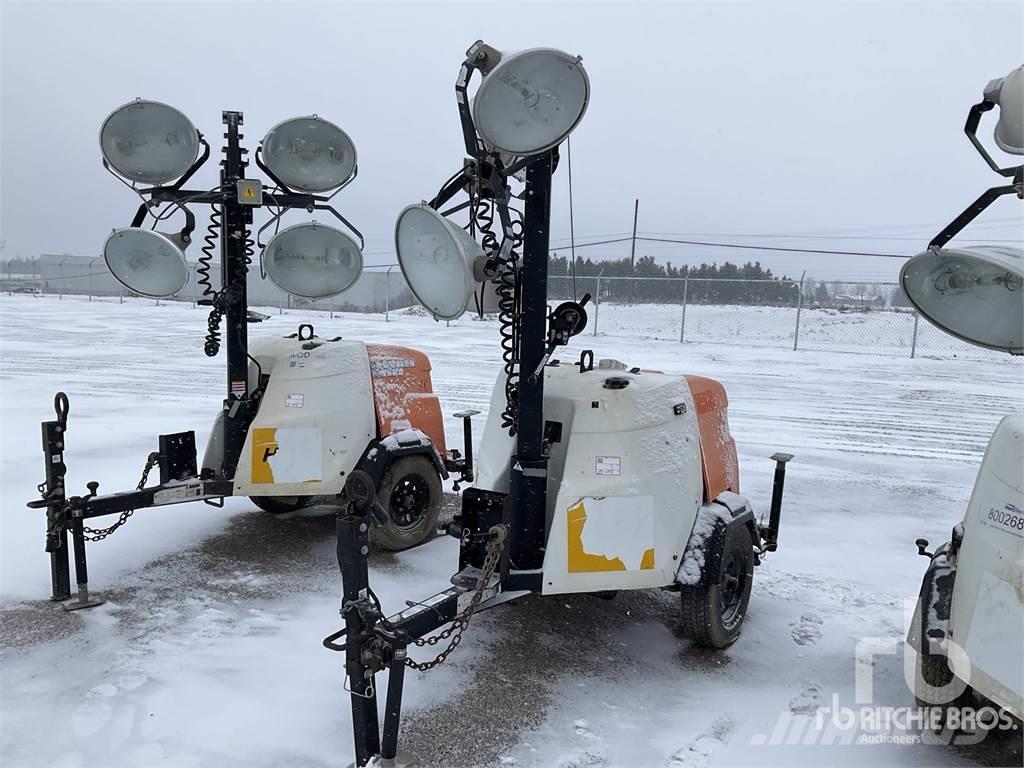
(969, 617)
(300, 412)
(591, 477)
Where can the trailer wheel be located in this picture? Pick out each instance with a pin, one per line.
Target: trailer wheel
(931, 681)
(713, 611)
(411, 494)
(279, 505)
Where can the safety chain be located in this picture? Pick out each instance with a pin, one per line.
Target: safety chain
(461, 622)
(98, 534)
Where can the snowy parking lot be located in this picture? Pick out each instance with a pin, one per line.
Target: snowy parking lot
(207, 650)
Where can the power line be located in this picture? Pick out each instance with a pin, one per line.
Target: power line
(773, 248)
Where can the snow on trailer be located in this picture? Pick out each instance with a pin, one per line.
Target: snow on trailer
(207, 613)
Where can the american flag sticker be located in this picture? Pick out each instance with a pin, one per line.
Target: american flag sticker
(238, 388)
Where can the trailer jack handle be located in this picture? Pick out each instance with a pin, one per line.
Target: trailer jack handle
(775, 515)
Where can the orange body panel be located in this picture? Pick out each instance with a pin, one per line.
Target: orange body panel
(718, 449)
(403, 395)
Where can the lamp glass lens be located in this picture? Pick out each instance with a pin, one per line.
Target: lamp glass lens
(975, 293)
(312, 261)
(436, 258)
(149, 142)
(1009, 133)
(309, 154)
(148, 263)
(531, 101)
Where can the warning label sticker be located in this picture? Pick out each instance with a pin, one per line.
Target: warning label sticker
(608, 465)
(294, 400)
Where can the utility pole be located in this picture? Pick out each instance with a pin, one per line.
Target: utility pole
(632, 252)
(632, 247)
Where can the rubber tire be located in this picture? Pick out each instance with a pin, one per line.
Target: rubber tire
(932, 672)
(393, 537)
(280, 505)
(702, 615)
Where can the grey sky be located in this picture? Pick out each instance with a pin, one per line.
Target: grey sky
(724, 119)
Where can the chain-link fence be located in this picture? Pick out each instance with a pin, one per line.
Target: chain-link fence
(837, 316)
(379, 288)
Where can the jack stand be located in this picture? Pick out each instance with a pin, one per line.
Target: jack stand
(372, 642)
(83, 600)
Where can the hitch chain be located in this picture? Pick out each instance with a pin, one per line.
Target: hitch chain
(461, 622)
(98, 534)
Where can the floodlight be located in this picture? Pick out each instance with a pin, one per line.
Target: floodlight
(441, 262)
(149, 142)
(309, 154)
(312, 260)
(530, 101)
(1008, 93)
(146, 262)
(974, 293)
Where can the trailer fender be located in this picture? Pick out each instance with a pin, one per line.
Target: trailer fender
(381, 452)
(934, 603)
(699, 558)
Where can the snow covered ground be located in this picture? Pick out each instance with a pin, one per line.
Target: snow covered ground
(208, 652)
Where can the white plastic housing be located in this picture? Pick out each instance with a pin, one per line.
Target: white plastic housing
(987, 617)
(629, 461)
(314, 420)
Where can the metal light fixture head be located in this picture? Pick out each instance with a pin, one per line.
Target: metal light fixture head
(145, 262)
(1008, 93)
(312, 260)
(974, 293)
(440, 261)
(309, 154)
(530, 101)
(149, 142)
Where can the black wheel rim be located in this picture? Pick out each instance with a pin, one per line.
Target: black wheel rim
(409, 501)
(733, 585)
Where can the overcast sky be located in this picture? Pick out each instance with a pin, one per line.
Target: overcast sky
(838, 121)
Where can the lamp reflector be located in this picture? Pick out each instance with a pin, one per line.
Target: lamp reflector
(530, 101)
(1008, 93)
(974, 293)
(437, 259)
(149, 142)
(309, 154)
(146, 262)
(312, 260)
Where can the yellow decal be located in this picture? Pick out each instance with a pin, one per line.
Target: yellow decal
(581, 561)
(264, 445)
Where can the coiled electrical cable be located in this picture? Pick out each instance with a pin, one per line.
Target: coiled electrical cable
(219, 300)
(507, 289)
(211, 345)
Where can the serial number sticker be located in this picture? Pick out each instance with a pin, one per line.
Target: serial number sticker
(295, 400)
(181, 493)
(608, 465)
(1009, 518)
